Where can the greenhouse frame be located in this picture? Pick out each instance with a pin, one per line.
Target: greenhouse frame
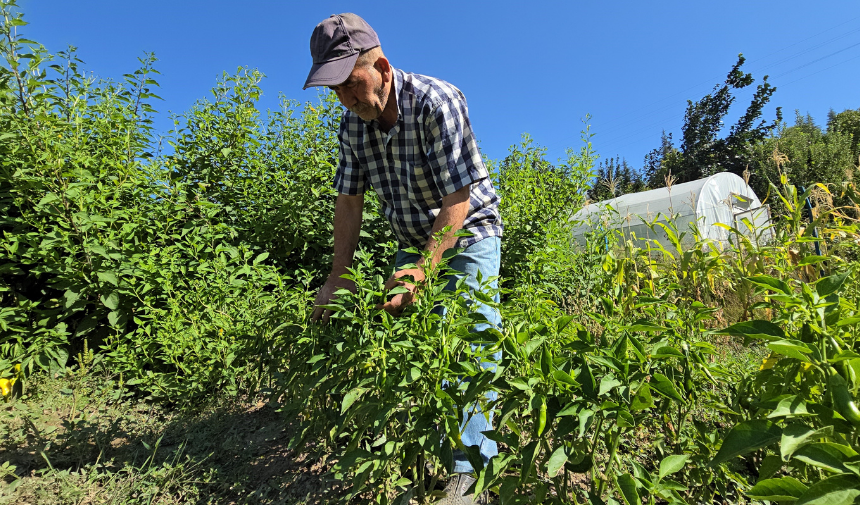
(711, 204)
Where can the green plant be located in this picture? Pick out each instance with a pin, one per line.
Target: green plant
(799, 412)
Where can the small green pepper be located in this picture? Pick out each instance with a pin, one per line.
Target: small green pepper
(842, 399)
(541, 417)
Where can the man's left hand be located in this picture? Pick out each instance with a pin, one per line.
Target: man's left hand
(399, 301)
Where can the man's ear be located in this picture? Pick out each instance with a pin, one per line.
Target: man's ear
(384, 68)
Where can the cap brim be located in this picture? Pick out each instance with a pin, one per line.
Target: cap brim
(331, 73)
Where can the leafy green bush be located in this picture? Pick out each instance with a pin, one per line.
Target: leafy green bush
(178, 265)
(537, 200)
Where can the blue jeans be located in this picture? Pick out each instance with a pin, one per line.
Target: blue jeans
(485, 256)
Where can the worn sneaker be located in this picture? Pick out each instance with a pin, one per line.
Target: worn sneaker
(455, 492)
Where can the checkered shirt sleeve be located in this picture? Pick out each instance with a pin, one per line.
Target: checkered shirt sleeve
(349, 179)
(452, 152)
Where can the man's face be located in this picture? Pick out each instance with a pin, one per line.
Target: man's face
(363, 92)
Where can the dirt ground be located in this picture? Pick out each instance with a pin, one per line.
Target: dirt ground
(68, 442)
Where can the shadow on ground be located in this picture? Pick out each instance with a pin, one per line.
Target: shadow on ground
(233, 454)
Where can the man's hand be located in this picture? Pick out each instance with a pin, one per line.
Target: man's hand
(399, 301)
(327, 294)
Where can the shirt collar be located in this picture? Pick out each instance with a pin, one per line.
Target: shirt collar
(398, 88)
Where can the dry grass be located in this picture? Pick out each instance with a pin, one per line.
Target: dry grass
(71, 442)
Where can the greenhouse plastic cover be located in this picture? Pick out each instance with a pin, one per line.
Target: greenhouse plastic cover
(721, 198)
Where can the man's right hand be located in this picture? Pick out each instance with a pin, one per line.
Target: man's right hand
(327, 294)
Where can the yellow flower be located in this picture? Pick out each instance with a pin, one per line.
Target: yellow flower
(6, 387)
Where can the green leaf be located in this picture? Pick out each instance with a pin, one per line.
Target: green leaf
(530, 346)
(625, 419)
(757, 328)
(644, 325)
(585, 417)
(586, 378)
(352, 457)
(643, 399)
(71, 297)
(108, 277)
(607, 383)
(791, 348)
(260, 258)
(836, 490)
(101, 251)
(770, 464)
(627, 486)
(664, 386)
(790, 407)
(848, 321)
(350, 398)
(520, 383)
(672, 485)
(494, 468)
(781, 489)
(747, 437)
(562, 322)
(528, 459)
(843, 356)
(507, 490)
(564, 377)
(112, 300)
(826, 286)
(583, 465)
(556, 461)
(811, 260)
(796, 435)
(48, 198)
(826, 455)
(771, 284)
(672, 464)
(666, 351)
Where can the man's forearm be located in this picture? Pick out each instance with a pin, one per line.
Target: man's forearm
(347, 226)
(455, 208)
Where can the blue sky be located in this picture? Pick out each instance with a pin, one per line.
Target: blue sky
(536, 67)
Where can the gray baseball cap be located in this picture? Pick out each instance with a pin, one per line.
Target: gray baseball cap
(335, 45)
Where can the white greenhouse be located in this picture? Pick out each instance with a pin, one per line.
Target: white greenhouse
(722, 198)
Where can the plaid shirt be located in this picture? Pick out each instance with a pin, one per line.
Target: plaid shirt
(428, 154)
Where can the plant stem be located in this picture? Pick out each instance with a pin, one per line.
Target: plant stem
(610, 463)
(594, 477)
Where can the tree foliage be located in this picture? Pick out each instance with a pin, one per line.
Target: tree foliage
(703, 151)
(806, 154)
(615, 177)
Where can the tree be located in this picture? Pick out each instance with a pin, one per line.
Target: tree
(702, 151)
(847, 122)
(813, 155)
(660, 161)
(615, 177)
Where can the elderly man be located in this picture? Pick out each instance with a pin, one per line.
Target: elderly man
(408, 137)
